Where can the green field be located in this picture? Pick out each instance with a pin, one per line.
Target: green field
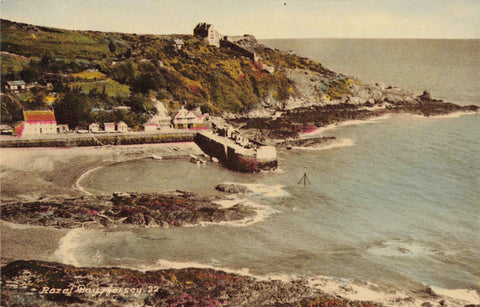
(110, 87)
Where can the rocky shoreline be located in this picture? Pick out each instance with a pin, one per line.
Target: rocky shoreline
(36, 283)
(291, 122)
(40, 283)
(176, 208)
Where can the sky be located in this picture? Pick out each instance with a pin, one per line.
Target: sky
(262, 18)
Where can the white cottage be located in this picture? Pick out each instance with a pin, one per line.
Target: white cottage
(151, 125)
(94, 127)
(38, 122)
(122, 127)
(109, 127)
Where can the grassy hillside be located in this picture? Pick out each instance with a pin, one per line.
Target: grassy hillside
(216, 79)
(33, 41)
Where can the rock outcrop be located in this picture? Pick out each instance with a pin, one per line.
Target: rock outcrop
(125, 210)
(36, 283)
(233, 188)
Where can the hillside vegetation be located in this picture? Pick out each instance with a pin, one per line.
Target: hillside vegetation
(103, 70)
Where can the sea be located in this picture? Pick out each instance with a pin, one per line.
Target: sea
(395, 202)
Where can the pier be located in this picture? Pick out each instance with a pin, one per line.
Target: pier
(240, 154)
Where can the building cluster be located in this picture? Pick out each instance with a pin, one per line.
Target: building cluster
(108, 127)
(18, 86)
(40, 122)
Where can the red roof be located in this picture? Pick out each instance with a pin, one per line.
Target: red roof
(34, 116)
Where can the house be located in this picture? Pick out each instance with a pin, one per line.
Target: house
(151, 125)
(208, 33)
(177, 44)
(62, 129)
(122, 127)
(94, 127)
(185, 119)
(109, 127)
(16, 86)
(165, 122)
(36, 123)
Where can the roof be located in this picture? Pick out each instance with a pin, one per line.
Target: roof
(184, 113)
(33, 116)
(19, 82)
(152, 121)
(122, 123)
(178, 41)
(202, 26)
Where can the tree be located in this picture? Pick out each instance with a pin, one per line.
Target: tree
(73, 109)
(139, 103)
(111, 46)
(11, 110)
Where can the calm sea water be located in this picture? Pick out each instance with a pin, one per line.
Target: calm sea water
(399, 206)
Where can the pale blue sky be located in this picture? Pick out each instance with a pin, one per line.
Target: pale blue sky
(262, 18)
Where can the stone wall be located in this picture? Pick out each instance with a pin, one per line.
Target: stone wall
(234, 157)
(73, 140)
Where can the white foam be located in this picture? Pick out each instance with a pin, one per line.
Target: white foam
(400, 249)
(462, 296)
(229, 202)
(261, 211)
(371, 120)
(77, 183)
(165, 264)
(68, 245)
(364, 292)
(344, 142)
(391, 297)
(341, 287)
(264, 189)
(446, 116)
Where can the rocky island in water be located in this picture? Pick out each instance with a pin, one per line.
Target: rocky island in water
(271, 97)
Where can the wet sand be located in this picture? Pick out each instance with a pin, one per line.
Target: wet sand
(35, 173)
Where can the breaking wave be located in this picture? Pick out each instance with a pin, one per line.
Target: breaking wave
(397, 248)
(343, 142)
(68, 247)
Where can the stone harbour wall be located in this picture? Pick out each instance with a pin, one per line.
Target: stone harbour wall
(235, 157)
(78, 140)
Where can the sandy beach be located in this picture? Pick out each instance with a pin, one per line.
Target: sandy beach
(33, 173)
